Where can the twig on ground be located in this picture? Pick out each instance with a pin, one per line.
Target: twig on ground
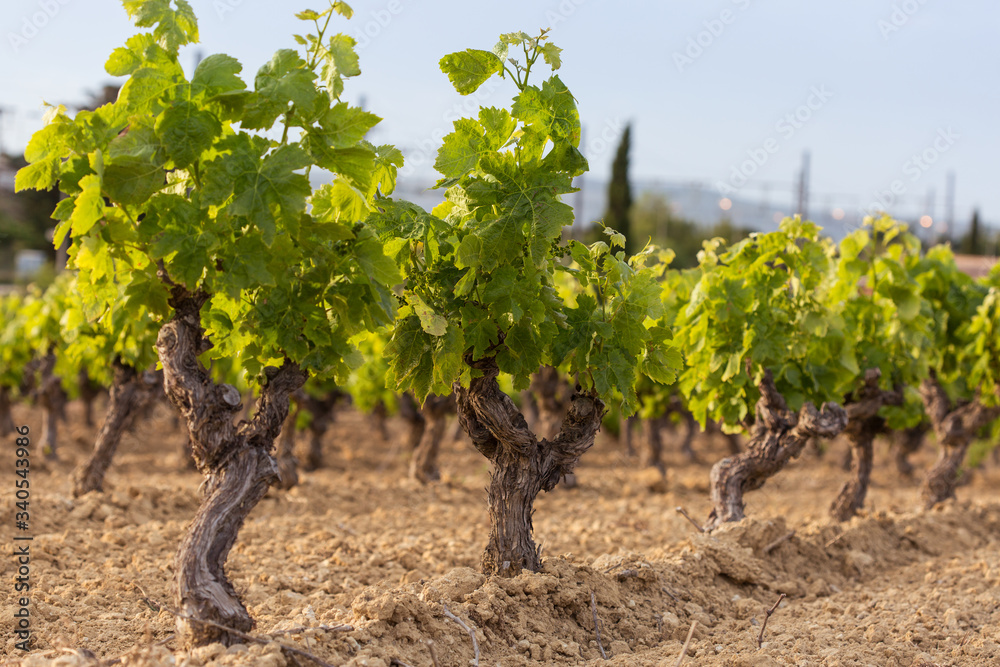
(597, 627)
(472, 633)
(434, 656)
(242, 635)
(667, 591)
(396, 662)
(763, 626)
(833, 541)
(781, 540)
(687, 643)
(326, 628)
(683, 512)
(115, 661)
(618, 564)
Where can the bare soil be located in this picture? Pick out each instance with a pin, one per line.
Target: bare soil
(359, 545)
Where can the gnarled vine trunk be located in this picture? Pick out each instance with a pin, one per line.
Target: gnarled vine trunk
(955, 428)
(187, 450)
(6, 422)
(288, 474)
(522, 465)
(654, 442)
(863, 424)
(655, 438)
(424, 465)
(778, 436)
(626, 426)
(551, 395)
(906, 443)
(380, 415)
(323, 414)
(89, 391)
(529, 408)
(130, 392)
(235, 459)
(410, 412)
(52, 399)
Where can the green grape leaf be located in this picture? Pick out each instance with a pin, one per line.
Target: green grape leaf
(186, 132)
(551, 54)
(171, 28)
(41, 175)
(430, 321)
(341, 61)
(469, 69)
(461, 149)
(88, 207)
(270, 184)
(216, 75)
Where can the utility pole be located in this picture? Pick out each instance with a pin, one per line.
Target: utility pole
(803, 204)
(3, 110)
(949, 204)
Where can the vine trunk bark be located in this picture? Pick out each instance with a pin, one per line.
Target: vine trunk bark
(626, 426)
(52, 399)
(863, 425)
(424, 464)
(410, 412)
(778, 436)
(654, 442)
(6, 422)
(907, 442)
(288, 473)
(323, 412)
(551, 397)
(522, 465)
(237, 464)
(955, 427)
(130, 392)
(380, 415)
(89, 391)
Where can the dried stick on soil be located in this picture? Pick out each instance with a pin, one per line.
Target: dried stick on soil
(115, 661)
(763, 626)
(683, 512)
(778, 542)
(397, 662)
(325, 628)
(472, 633)
(257, 640)
(597, 626)
(434, 656)
(834, 541)
(687, 643)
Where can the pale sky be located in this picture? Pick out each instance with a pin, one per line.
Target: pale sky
(708, 85)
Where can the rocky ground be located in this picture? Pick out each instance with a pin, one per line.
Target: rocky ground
(360, 566)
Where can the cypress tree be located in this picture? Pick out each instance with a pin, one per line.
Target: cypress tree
(620, 193)
(972, 243)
